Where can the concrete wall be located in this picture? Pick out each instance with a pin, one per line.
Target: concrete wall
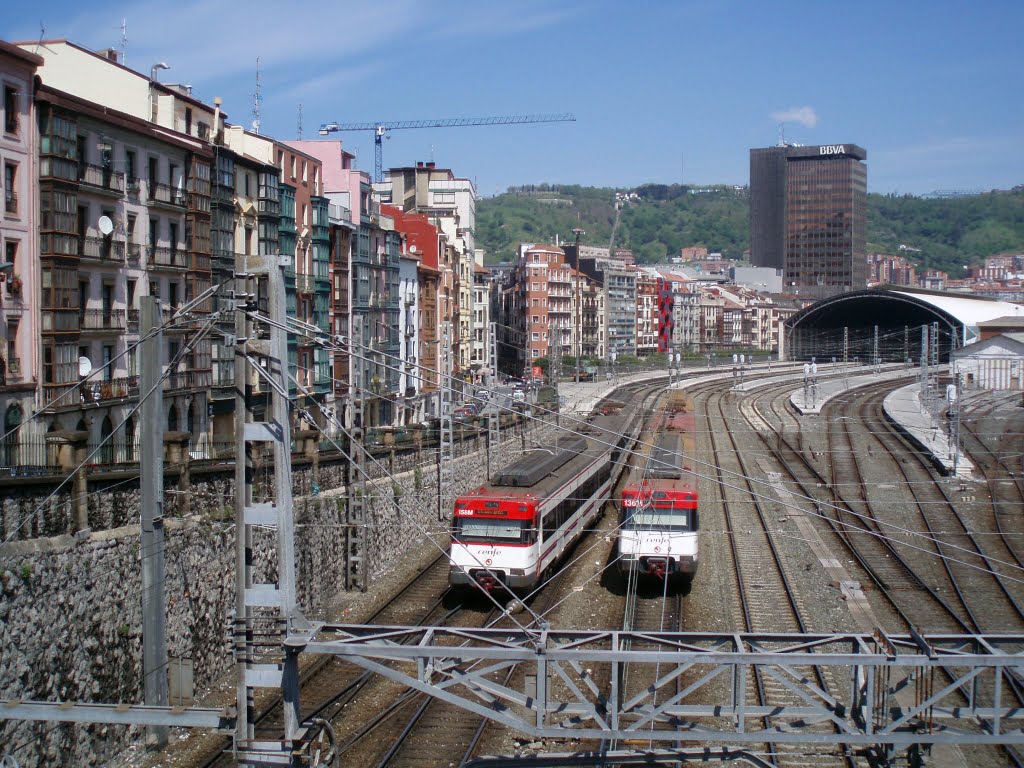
(70, 606)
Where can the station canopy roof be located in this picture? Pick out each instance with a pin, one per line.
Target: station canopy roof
(891, 306)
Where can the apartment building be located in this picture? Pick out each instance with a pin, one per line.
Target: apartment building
(124, 213)
(620, 309)
(647, 320)
(19, 311)
(373, 279)
(450, 202)
(479, 358)
(304, 232)
(420, 309)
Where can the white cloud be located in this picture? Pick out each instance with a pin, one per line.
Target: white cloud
(804, 115)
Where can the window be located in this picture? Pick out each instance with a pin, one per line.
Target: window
(131, 163)
(304, 177)
(293, 167)
(247, 193)
(130, 227)
(10, 194)
(536, 352)
(154, 175)
(10, 109)
(188, 121)
(154, 232)
(11, 257)
(535, 336)
(12, 345)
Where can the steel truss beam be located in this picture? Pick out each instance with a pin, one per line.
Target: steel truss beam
(569, 686)
(117, 714)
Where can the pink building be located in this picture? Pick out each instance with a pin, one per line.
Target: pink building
(19, 291)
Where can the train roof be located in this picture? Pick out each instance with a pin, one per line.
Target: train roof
(534, 466)
(542, 471)
(664, 460)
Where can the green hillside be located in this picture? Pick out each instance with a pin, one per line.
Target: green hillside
(948, 232)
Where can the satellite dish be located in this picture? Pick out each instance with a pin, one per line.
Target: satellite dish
(84, 366)
(106, 225)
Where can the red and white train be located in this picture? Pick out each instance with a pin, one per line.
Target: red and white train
(658, 516)
(511, 532)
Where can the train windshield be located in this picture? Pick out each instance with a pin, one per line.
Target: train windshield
(677, 520)
(476, 530)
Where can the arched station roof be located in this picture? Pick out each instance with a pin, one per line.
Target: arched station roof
(892, 306)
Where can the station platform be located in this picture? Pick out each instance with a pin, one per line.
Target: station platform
(926, 426)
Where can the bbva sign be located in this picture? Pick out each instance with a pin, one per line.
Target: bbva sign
(832, 149)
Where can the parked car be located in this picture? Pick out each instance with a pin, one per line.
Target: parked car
(463, 413)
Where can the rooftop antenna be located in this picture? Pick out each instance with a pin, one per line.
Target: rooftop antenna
(782, 134)
(256, 99)
(124, 39)
(300, 121)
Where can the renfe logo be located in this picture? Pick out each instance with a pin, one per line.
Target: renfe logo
(832, 149)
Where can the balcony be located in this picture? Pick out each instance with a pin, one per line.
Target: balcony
(102, 320)
(11, 202)
(101, 249)
(188, 380)
(134, 251)
(165, 194)
(223, 195)
(165, 317)
(51, 167)
(101, 177)
(64, 320)
(268, 206)
(201, 262)
(162, 257)
(305, 283)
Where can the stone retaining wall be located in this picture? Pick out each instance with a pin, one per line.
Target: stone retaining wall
(70, 605)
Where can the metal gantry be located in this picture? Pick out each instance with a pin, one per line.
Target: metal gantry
(569, 686)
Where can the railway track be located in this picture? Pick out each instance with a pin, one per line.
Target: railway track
(767, 599)
(425, 731)
(853, 515)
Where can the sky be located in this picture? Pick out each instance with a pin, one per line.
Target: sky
(662, 92)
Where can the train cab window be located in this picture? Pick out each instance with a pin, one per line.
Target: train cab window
(675, 520)
(490, 531)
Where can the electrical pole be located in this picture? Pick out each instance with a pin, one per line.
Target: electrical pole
(445, 443)
(266, 614)
(154, 627)
(356, 565)
(878, 360)
(846, 356)
(579, 303)
(493, 415)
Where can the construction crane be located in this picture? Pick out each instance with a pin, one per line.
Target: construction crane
(382, 127)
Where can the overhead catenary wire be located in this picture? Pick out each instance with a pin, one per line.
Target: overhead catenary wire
(740, 476)
(182, 351)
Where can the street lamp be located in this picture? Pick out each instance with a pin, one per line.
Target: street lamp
(579, 302)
